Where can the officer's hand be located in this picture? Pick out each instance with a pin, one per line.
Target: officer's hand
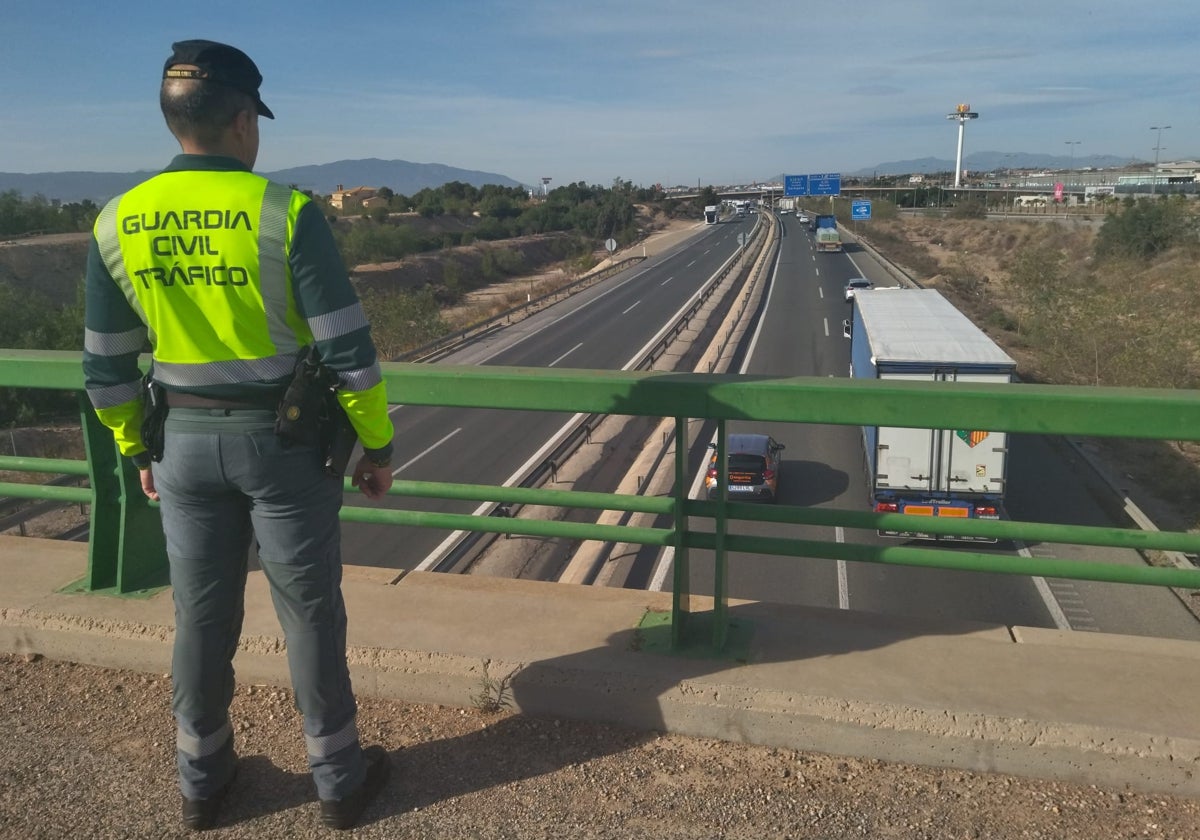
(147, 478)
(373, 481)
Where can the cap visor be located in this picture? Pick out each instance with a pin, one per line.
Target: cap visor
(264, 111)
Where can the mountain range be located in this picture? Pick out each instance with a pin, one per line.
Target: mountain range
(406, 178)
(401, 176)
(990, 161)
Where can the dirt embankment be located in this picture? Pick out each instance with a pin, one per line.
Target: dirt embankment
(49, 266)
(466, 268)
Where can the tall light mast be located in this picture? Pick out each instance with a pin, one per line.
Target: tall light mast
(962, 113)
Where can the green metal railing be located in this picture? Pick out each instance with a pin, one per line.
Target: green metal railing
(126, 545)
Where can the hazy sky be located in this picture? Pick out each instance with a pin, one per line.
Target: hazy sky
(666, 91)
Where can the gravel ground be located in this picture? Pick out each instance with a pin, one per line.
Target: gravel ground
(88, 753)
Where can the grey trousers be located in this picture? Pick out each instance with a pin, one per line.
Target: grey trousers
(225, 479)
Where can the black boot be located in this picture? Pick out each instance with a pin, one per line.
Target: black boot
(344, 813)
(201, 814)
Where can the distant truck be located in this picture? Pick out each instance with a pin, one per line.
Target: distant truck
(712, 214)
(826, 233)
(916, 335)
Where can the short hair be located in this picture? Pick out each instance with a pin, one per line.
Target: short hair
(201, 110)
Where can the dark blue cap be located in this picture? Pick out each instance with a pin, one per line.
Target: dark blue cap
(220, 63)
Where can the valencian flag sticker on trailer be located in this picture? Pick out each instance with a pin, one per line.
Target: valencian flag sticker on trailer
(972, 439)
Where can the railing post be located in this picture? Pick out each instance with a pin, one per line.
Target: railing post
(126, 547)
(720, 615)
(681, 585)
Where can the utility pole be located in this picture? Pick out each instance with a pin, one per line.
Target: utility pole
(1157, 147)
(1070, 169)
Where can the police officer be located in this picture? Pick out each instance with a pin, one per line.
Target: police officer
(229, 278)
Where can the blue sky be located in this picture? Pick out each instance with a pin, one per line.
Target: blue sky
(651, 91)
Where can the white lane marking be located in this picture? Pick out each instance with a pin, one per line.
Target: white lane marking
(562, 317)
(421, 455)
(630, 309)
(820, 293)
(689, 265)
(668, 280)
(1056, 613)
(825, 321)
(839, 534)
(435, 556)
(572, 350)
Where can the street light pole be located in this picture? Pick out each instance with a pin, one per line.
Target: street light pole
(1157, 147)
(1071, 168)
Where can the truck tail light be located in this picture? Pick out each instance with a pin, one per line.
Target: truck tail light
(886, 507)
(985, 510)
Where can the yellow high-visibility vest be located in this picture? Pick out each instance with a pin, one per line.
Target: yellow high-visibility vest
(201, 257)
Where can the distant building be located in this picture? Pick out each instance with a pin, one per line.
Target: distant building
(354, 199)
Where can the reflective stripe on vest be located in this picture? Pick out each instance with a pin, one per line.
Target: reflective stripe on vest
(213, 291)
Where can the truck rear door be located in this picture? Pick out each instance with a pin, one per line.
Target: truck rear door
(905, 457)
(972, 460)
(942, 460)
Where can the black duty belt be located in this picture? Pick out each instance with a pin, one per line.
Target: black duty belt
(177, 399)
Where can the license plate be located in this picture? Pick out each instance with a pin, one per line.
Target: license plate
(740, 488)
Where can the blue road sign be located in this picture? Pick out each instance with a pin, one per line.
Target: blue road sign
(830, 184)
(860, 210)
(795, 185)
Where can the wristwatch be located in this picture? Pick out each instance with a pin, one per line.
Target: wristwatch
(379, 457)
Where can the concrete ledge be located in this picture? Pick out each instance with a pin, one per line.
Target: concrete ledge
(1108, 710)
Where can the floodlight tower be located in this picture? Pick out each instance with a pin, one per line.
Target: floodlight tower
(546, 185)
(962, 113)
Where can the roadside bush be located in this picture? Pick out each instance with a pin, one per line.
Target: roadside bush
(31, 322)
(402, 320)
(968, 210)
(1146, 228)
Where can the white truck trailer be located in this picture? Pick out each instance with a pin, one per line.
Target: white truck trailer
(916, 335)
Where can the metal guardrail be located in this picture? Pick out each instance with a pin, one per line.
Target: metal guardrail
(439, 347)
(126, 550)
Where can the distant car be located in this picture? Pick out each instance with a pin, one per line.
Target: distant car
(857, 284)
(802, 218)
(754, 463)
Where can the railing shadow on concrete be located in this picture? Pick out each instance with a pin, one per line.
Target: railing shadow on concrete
(126, 547)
